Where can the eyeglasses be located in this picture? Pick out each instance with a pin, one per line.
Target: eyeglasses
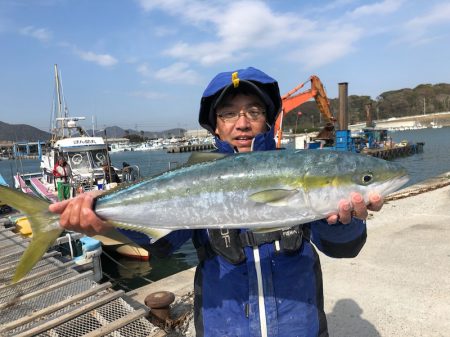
(253, 113)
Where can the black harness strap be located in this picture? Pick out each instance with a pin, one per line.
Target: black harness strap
(252, 239)
(230, 243)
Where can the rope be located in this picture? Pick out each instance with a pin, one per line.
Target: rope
(125, 267)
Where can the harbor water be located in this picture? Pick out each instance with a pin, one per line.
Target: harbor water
(130, 274)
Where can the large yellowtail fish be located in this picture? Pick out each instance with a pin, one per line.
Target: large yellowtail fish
(256, 190)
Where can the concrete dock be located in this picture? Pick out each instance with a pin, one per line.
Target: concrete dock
(399, 285)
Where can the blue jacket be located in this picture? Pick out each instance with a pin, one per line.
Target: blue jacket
(281, 293)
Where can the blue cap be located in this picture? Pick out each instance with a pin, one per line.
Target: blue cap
(249, 79)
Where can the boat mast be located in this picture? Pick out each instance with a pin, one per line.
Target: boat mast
(58, 132)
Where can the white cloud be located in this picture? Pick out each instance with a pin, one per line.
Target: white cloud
(377, 8)
(191, 11)
(105, 60)
(177, 73)
(42, 34)
(148, 94)
(419, 29)
(438, 15)
(327, 46)
(232, 31)
(205, 53)
(144, 69)
(164, 31)
(239, 29)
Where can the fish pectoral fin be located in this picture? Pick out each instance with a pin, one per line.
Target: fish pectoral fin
(274, 197)
(154, 233)
(114, 237)
(202, 157)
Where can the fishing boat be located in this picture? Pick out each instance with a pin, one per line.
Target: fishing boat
(86, 156)
(4, 209)
(435, 125)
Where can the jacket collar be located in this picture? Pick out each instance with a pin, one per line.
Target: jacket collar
(262, 142)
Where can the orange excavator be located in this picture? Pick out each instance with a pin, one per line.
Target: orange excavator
(292, 100)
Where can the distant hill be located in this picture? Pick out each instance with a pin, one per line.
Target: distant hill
(117, 132)
(397, 103)
(22, 132)
(430, 98)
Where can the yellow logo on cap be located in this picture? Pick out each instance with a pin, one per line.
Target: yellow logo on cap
(235, 79)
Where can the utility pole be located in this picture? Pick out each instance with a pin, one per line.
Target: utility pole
(424, 106)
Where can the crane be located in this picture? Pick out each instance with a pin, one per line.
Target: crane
(293, 99)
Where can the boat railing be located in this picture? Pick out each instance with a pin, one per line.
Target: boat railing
(82, 182)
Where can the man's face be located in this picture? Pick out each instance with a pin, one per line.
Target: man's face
(240, 133)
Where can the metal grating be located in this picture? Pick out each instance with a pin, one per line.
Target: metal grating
(55, 300)
(53, 315)
(33, 284)
(138, 328)
(47, 298)
(99, 318)
(45, 264)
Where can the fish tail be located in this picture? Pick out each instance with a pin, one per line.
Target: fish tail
(41, 220)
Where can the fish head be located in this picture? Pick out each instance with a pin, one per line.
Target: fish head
(368, 175)
(374, 175)
(330, 176)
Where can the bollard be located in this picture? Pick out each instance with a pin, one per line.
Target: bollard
(159, 303)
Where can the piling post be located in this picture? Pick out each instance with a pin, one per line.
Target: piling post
(343, 106)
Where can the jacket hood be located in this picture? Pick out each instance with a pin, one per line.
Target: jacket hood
(249, 79)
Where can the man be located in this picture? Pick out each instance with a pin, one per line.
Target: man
(110, 174)
(245, 285)
(62, 174)
(129, 174)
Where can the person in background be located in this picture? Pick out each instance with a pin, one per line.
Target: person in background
(110, 174)
(245, 283)
(62, 173)
(128, 172)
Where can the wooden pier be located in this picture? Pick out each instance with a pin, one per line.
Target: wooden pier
(395, 152)
(55, 300)
(189, 148)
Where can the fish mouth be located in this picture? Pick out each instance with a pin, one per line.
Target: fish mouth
(395, 184)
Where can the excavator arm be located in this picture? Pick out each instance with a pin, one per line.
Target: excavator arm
(293, 99)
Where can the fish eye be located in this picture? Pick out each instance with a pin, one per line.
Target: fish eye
(367, 178)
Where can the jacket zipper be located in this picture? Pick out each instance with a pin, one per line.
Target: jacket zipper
(261, 305)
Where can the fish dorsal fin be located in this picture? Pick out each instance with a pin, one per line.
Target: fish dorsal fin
(273, 197)
(202, 157)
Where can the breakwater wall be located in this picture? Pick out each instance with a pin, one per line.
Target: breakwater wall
(190, 148)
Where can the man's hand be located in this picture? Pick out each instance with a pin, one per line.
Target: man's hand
(356, 208)
(77, 214)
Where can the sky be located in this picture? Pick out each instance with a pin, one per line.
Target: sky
(144, 64)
